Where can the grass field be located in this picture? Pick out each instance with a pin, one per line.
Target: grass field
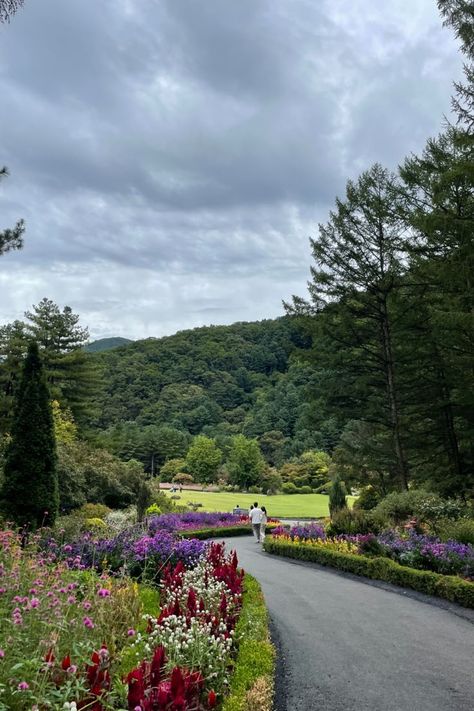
(284, 505)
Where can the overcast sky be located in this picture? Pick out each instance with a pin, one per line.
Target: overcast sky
(172, 157)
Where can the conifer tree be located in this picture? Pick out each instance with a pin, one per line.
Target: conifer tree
(337, 496)
(11, 238)
(29, 494)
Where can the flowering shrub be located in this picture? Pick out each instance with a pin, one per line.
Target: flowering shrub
(313, 531)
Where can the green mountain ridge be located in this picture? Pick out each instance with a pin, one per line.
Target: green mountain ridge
(215, 380)
(106, 344)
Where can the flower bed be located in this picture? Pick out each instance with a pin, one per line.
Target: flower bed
(187, 650)
(72, 638)
(62, 630)
(193, 521)
(409, 548)
(449, 587)
(131, 552)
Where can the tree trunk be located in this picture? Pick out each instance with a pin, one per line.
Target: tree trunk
(394, 408)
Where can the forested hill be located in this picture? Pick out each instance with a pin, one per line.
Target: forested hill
(105, 344)
(217, 380)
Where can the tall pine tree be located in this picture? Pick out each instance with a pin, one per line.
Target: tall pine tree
(29, 494)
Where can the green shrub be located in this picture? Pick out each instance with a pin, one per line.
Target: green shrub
(289, 488)
(89, 511)
(255, 663)
(153, 510)
(305, 490)
(337, 496)
(255, 490)
(352, 522)
(399, 506)
(368, 499)
(462, 531)
(448, 587)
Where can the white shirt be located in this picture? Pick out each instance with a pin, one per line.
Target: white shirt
(256, 516)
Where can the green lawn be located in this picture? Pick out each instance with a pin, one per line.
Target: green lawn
(285, 505)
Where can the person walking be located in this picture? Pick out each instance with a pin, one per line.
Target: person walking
(263, 523)
(255, 516)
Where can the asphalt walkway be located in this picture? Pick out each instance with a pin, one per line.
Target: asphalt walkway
(349, 645)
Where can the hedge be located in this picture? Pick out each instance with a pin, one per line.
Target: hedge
(449, 587)
(251, 684)
(223, 531)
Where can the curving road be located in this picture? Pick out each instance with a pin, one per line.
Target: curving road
(346, 644)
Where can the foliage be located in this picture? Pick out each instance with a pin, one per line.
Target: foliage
(11, 238)
(172, 469)
(368, 499)
(65, 429)
(87, 474)
(337, 496)
(144, 499)
(461, 530)
(71, 374)
(29, 494)
(398, 507)
(245, 462)
(352, 522)
(271, 481)
(289, 488)
(448, 587)
(255, 663)
(203, 459)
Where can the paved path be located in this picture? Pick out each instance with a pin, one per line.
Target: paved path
(348, 645)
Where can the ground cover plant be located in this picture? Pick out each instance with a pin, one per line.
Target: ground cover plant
(279, 505)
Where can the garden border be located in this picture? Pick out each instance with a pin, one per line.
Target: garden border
(448, 587)
(223, 531)
(252, 680)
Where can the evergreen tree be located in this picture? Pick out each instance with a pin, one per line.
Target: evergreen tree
(358, 286)
(71, 373)
(30, 490)
(11, 238)
(337, 496)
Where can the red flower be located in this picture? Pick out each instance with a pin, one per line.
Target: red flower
(211, 699)
(49, 656)
(136, 688)
(66, 662)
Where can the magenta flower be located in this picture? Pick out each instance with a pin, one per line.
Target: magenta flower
(88, 623)
(23, 686)
(103, 592)
(131, 632)
(2, 653)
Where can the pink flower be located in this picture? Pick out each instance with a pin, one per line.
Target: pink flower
(71, 599)
(88, 623)
(103, 592)
(34, 602)
(87, 605)
(131, 633)
(23, 686)
(2, 653)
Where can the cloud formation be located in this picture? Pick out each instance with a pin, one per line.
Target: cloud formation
(171, 159)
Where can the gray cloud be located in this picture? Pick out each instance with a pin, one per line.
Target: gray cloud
(171, 159)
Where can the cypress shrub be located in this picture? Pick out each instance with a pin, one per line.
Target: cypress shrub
(30, 494)
(337, 496)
